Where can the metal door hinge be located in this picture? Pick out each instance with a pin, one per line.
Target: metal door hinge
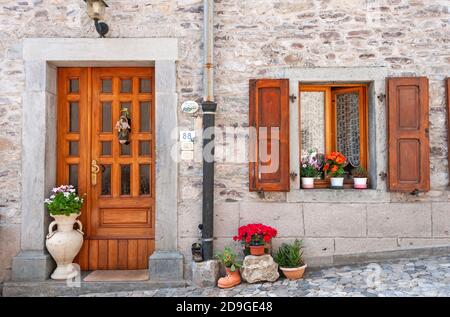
(293, 175)
(293, 97)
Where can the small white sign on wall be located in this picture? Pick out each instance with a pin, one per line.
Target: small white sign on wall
(187, 146)
(187, 136)
(190, 107)
(187, 155)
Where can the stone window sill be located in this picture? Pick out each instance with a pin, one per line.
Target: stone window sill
(328, 195)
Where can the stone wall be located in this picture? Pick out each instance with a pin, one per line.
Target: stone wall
(254, 38)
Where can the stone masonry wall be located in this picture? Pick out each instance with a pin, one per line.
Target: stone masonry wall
(254, 37)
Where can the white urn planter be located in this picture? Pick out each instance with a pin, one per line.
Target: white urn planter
(308, 182)
(64, 243)
(360, 183)
(337, 182)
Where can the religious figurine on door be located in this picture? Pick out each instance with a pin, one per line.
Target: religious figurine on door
(124, 127)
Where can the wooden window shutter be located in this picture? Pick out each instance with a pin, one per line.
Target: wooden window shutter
(269, 135)
(408, 134)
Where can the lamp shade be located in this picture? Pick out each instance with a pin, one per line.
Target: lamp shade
(96, 8)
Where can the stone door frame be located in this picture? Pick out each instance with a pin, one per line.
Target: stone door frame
(41, 57)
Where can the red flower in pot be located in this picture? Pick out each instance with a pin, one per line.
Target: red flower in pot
(255, 236)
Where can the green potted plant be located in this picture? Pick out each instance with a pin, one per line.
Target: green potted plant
(290, 259)
(334, 166)
(255, 236)
(359, 177)
(233, 277)
(64, 243)
(309, 169)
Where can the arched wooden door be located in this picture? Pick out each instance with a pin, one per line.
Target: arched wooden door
(118, 179)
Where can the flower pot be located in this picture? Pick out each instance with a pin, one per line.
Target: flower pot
(230, 280)
(337, 182)
(294, 273)
(257, 250)
(307, 182)
(64, 244)
(360, 183)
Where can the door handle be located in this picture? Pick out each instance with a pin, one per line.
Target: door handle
(94, 171)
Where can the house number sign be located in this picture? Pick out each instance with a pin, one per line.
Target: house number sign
(190, 107)
(187, 136)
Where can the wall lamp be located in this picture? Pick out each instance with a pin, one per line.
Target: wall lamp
(96, 11)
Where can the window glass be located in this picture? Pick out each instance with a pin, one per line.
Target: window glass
(312, 123)
(348, 127)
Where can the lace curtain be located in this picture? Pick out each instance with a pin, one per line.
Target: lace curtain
(347, 127)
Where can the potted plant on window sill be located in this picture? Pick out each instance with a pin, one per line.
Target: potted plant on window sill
(233, 277)
(359, 177)
(334, 166)
(310, 169)
(255, 236)
(290, 259)
(64, 243)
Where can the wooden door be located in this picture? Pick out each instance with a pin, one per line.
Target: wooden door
(118, 179)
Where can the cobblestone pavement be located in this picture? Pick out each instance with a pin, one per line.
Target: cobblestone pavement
(420, 277)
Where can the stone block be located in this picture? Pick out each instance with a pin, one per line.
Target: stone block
(331, 220)
(189, 217)
(399, 220)
(9, 245)
(312, 247)
(226, 219)
(286, 218)
(423, 242)
(441, 219)
(32, 266)
(205, 274)
(362, 245)
(337, 196)
(259, 269)
(166, 265)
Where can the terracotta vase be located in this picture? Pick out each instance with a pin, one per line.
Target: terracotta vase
(64, 243)
(294, 273)
(230, 280)
(257, 250)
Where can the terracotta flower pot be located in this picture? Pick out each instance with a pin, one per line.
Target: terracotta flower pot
(294, 273)
(257, 250)
(230, 280)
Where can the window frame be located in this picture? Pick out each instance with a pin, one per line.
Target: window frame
(330, 121)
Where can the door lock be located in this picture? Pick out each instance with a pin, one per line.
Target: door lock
(94, 171)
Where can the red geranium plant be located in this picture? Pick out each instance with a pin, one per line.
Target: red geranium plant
(255, 234)
(334, 164)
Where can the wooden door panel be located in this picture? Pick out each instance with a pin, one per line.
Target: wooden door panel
(118, 216)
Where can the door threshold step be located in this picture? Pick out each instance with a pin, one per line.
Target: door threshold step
(52, 288)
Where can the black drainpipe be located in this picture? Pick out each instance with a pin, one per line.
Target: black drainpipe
(209, 111)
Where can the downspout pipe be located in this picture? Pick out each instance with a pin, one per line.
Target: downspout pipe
(209, 110)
